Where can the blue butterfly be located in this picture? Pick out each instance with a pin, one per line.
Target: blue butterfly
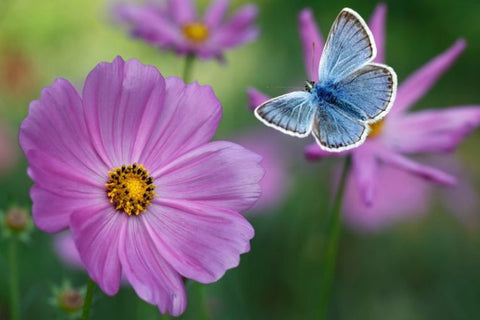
(352, 92)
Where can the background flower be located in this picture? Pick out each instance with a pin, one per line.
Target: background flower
(399, 133)
(175, 25)
(81, 149)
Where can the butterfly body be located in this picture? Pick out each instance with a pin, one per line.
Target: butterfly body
(352, 92)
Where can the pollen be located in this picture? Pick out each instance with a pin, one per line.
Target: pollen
(196, 32)
(130, 189)
(376, 128)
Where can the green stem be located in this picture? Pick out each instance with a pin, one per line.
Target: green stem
(188, 68)
(332, 243)
(13, 268)
(87, 303)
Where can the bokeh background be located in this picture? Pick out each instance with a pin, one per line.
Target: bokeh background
(423, 267)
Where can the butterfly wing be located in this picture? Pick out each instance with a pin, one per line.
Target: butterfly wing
(349, 46)
(336, 131)
(370, 91)
(291, 113)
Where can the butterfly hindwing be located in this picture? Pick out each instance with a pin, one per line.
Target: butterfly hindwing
(336, 131)
(291, 113)
(371, 89)
(349, 46)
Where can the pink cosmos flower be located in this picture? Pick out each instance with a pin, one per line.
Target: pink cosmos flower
(401, 133)
(66, 250)
(176, 26)
(128, 167)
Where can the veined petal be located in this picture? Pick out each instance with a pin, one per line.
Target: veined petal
(56, 126)
(417, 85)
(200, 241)
(152, 278)
(377, 26)
(255, 98)
(435, 131)
(215, 13)
(426, 172)
(96, 232)
(189, 118)
(312, 43)
(220, 174)
(118, 98)
(182, 11)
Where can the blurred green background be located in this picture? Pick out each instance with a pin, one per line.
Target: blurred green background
(428, 268)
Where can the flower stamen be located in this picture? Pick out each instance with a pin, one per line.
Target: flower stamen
(376, 128)
(130, 188)
(196, 31)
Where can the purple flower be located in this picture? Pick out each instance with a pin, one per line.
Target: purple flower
(142, 189)
(401, 133)
(176, 26)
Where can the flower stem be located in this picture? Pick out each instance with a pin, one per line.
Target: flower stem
(87, 303)
(332, 243)
(13, 268)
(188, 68)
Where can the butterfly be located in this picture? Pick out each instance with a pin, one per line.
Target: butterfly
(351, 93)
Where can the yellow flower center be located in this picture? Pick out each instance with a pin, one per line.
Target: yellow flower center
(196, 32)
(376, 128)
(130, 188)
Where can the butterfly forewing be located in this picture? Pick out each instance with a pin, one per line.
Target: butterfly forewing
(370, 89)
(349, 46)
(335, 131)
(291, 113)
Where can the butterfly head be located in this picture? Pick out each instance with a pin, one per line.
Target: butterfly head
(309, 85)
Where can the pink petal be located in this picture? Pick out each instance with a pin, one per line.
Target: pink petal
(189, 118)
(399, 196)
(96, 232)
(417, 85)
(152, 278)
(220, 174)
(275, 155)
(58, 191)
(435, 131)
(255, 98)
(200, 241)
(364, 172)
(312, 43)
(215, 13)
(377, 26)
(182, 11)
(238, 30)
(119, 99)
(55, 125)
(426, 172)
(314, 152)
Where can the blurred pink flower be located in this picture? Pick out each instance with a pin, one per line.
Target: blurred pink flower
(176, 26)
(143, 190)
(66, 250)
(399, 133)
